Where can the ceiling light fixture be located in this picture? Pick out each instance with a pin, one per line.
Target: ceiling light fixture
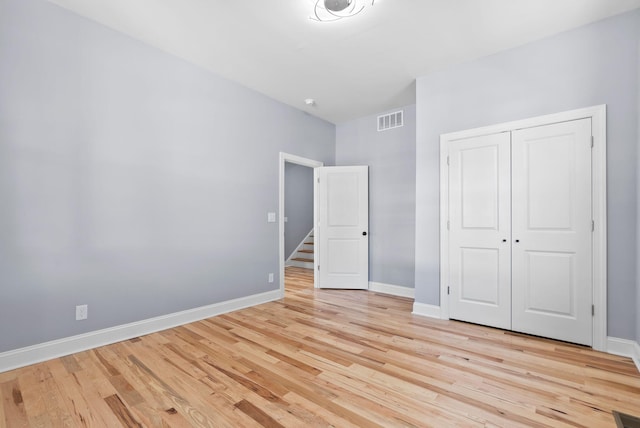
(334, 10)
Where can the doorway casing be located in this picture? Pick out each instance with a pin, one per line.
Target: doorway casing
(298, 160)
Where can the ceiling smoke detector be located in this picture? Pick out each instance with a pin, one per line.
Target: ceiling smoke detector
(334, 10)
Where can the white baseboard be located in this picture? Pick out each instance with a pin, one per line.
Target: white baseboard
(625, 348)
(69, 345)
(394, 290)
(425, 310)
(58, 348)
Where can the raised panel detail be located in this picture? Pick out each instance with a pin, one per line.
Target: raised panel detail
(480, 275)
(551, 170)
(343, 205)
(550, 286)
(343, 256)
(479, 187)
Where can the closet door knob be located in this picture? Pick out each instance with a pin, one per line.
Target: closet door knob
(504, 240)
(517, 240)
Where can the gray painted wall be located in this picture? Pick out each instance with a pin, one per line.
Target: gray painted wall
(638, 214)
(298, 205)
(391, 158)
(130, 180)
(595, 64)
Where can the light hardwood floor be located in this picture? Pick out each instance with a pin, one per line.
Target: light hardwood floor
(325, 358)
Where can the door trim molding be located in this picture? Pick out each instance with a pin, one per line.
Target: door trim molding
(298, 160)
(597, 114)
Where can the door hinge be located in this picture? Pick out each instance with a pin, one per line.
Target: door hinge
(318, 267)
(592, 142)
(318, 179)
(447, 160)
(448, 224)
(593, 310)
(448, 290)
(593, 225)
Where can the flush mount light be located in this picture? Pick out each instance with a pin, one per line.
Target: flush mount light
(334, 10)
(337, 5)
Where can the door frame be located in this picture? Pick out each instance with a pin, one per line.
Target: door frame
(298, 160)
(597, 114)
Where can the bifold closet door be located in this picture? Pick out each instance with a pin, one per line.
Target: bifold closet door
(479, 237)
(552, 231)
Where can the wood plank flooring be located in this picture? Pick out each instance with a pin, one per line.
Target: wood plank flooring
(324, 358)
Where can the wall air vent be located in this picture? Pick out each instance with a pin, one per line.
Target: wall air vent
(390, 121)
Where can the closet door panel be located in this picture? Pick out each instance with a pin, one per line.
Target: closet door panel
(551, 231)
(479, 204)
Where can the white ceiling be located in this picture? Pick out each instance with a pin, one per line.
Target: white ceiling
(352, 68)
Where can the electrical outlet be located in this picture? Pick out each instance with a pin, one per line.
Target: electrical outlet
(270, 277)
(82, 312)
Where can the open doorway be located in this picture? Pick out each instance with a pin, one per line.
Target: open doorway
(298, 216)
(290, 167)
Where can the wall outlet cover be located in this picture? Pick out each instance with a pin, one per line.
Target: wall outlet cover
(82, 312)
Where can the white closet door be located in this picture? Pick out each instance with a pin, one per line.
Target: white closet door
(479, 238)
(551, 231)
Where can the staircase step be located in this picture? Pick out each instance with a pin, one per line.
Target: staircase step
(301, 259)
(308, 243)
(306, 251)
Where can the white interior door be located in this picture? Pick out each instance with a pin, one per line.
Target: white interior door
(342, 227)
(552, 231)
(479, 237)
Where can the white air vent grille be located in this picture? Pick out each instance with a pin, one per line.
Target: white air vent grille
(390, 121)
